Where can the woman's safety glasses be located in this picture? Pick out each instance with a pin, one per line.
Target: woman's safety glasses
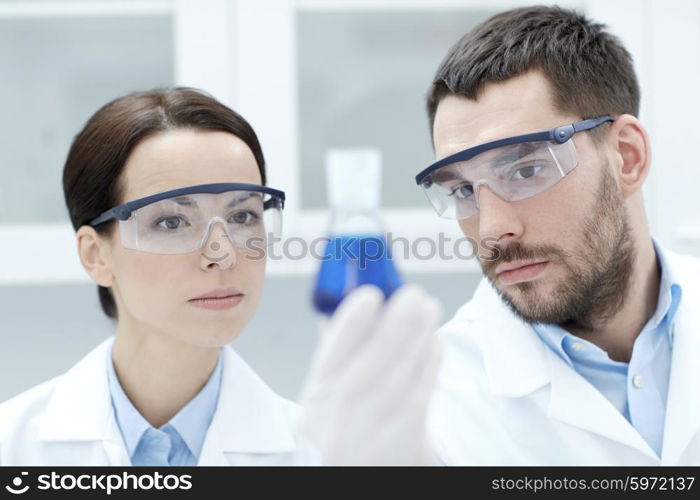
(514, 168)
(180, 221)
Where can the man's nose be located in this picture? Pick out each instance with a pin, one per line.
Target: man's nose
(498, 219)
(218, 250)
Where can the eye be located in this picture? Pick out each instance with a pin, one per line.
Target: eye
(170, 223)
(526, 172)
(245, 217)
(462, 192)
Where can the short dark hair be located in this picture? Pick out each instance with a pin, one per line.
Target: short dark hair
(590, 71)
(97, 156)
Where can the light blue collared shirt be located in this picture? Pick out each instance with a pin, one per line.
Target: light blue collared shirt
(180, 441)
(638, 389)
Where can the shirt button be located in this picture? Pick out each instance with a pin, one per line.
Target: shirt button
(578, 346)
(638, 381)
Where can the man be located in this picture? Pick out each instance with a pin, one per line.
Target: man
(579, 344)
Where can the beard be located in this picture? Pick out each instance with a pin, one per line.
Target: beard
(598, 270)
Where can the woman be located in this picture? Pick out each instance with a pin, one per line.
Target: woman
(166, 192)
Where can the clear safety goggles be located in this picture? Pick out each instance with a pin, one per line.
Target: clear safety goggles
(180, 220)
(514, 168)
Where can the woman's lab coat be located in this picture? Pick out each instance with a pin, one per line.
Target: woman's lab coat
(69, 420)
(504, 398)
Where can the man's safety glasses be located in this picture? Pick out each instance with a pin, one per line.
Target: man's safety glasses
(514, 168)
(180, 220)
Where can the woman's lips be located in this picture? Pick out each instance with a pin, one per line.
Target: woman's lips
(521, 274)
(218, 303)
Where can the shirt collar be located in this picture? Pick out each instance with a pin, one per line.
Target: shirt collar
(191, 422)
(670, 292)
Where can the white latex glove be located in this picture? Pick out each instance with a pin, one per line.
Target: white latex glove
(366, 396)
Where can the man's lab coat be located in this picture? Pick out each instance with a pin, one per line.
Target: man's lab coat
(504, 398)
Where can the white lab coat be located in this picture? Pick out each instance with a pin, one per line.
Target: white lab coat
(504, 398)
(69, 420)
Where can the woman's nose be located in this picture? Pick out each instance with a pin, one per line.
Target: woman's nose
(218, 250)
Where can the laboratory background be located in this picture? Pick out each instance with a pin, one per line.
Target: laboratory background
(310, 76)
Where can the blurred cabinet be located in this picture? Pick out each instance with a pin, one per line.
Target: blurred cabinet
(60, 61)
(57, 72)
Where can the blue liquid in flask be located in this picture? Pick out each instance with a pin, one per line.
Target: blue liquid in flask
(352, 261)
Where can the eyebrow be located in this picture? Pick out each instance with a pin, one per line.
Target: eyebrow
(189, 202)
(501, 160)
(444, 176)
(185, 201)
(507, 156)
(240, 199)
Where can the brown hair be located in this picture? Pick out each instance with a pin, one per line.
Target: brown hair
(590, 71)
(98, 153)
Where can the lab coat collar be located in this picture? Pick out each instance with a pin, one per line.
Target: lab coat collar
(514, 357)
(577, 402)
(250, 417)
(80, 407)
(683, 405)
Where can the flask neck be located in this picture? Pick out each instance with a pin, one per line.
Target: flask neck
(356, 222)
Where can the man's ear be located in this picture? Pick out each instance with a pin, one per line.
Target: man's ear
(95, 255)
(630, 143)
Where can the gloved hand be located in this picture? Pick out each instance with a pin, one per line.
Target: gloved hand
(366, 396)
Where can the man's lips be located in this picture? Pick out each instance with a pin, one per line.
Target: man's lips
(519, 271)
(516, 264)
